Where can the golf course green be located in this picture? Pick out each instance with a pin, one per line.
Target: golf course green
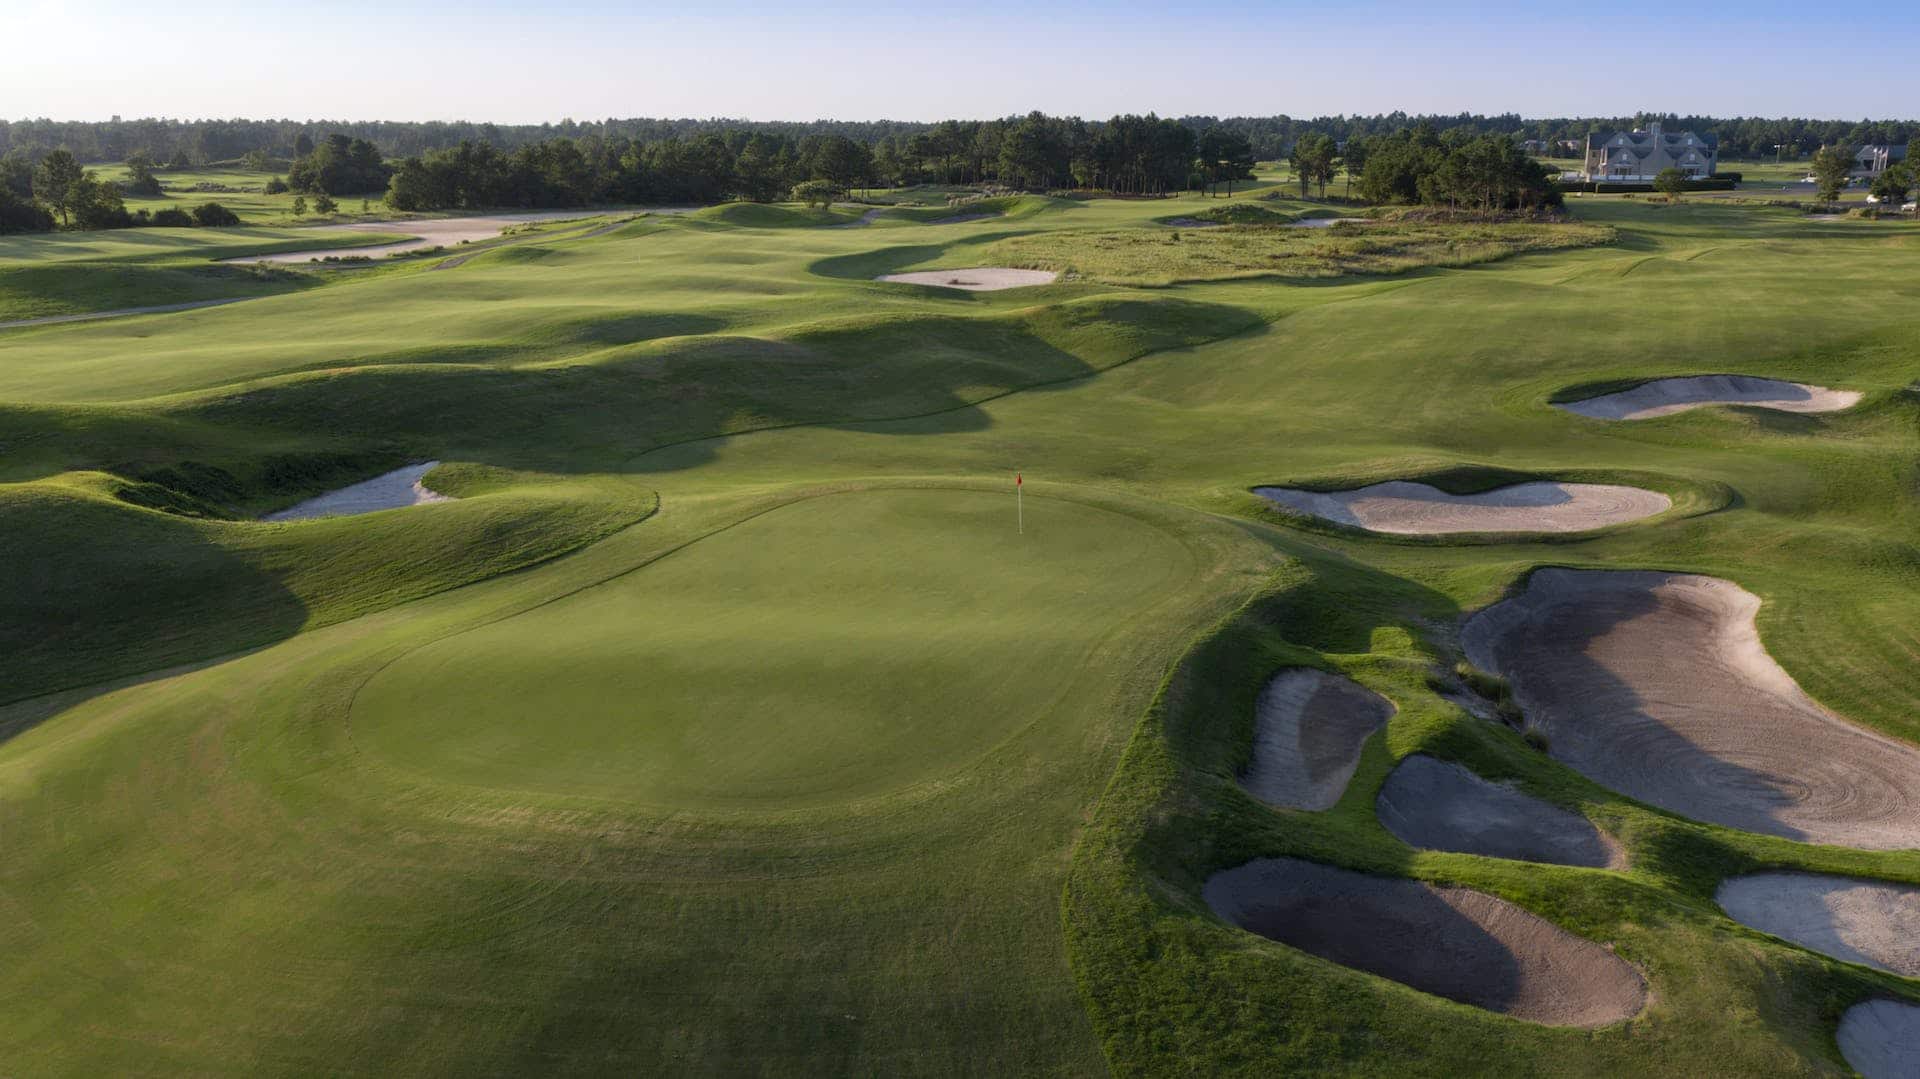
(736, 714)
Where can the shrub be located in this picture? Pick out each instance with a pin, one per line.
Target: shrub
(275, 186)
(171, 217)
(212, 215)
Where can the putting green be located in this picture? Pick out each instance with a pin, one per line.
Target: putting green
(837, 648)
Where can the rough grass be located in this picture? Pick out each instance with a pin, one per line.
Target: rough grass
(1131, 257)
(230, 869)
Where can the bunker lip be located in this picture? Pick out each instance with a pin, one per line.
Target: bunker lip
(1881, 1038)
(429, 232)
(1402, 507)
(1665, 396)
(397, 489)
(1309, 727)
(1656, 685)
(1871, 922)
(1439, 805)
(1456, 943)
(974, 278)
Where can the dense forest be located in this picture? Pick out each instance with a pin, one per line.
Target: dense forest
(197, 142)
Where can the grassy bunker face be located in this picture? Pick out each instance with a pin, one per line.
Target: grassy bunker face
(974, 278)
(1665, 396)
(1400, 507)
(390, 490)
(1308, 730)
(1861, 921)
(1881, 1038)
(1452, 942)
(1657, 685)
(840, 647)
(1438, 805)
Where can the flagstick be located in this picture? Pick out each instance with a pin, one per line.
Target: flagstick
(1019, 505)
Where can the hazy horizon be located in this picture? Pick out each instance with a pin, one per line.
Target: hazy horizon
(491, 62)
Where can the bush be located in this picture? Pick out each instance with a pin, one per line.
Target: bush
(171, 217)
(212, 215)
(1614, 187)
(1731, 177)
(275, 186)
(324, 204)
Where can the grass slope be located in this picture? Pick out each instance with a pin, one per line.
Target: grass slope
(792, 776)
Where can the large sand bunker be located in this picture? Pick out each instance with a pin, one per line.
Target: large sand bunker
(1308, 729)
(1881, 1039)
(1657, 685)
(1452, 942)
(429, 232)
(1416, 509)
(1664, 396)
(1439, 805)
(1861, 921)
(974, 278)
(391, 490)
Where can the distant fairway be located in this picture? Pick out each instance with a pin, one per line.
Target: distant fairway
(840, 647)
(723, 725)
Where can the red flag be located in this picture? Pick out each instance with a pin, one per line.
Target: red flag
(1016, 479)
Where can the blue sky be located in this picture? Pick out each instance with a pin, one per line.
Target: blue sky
(508, 62)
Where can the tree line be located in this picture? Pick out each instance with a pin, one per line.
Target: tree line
(188, 143)
(34, 196)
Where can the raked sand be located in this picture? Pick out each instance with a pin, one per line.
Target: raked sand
(1665, 396)
(1309, 727)
(426, 232)
(1401, 507)
(1881, 1038)
(1452, 942)
(1875, 923)
(1656, 685)
(1439, 805)
(974, 279)
(392, 490)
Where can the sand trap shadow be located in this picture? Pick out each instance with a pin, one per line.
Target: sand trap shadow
(1438, 805)
(1870, 922)
(974, 278)
(1401, 507)
(1455, 943)
(1657, 685)
(1665, 396)
(1309, 727)
(1881, 1039)
(390, 490)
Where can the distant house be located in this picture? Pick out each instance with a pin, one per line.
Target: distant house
(1871, 161)
(1639, 156)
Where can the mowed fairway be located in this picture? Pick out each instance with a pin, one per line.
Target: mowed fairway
(724, 724)
(842, 647)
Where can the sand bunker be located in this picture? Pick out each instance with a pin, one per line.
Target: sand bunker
(1657, 685)
(1405, 508)
(1320, 222)
(1881, 1038)
(432, 232)
(393, 490)
(1664, 396)
(974, 279)
(1452, 942)
(1438, 805)
(1861, 921)
(1308, 729)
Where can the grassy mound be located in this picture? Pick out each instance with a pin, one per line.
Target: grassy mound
(1134, 257)
(759, 215)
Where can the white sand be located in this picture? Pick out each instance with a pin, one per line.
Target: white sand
(392, 490)
(1861, 921)
(1452, 942)
(430, 232)
(1309, 727)
(1320, 222)
(974, 279)
(1665, 396)
(1657, 685)
(1403, 508)
(1439, 805)
(1881, 1039)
